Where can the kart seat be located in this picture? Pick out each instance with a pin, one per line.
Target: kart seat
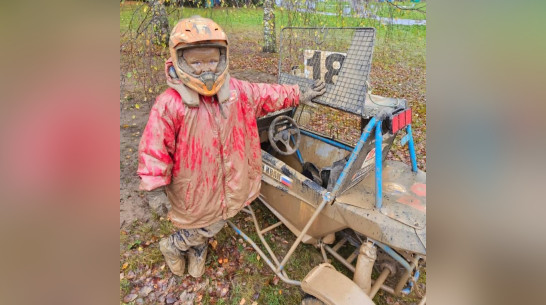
(325, 177)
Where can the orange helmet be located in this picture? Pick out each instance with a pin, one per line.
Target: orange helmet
(195, 32)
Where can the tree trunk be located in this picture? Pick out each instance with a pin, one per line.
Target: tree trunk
(160, 23)
(270, 40)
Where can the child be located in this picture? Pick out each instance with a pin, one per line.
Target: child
(201, 142)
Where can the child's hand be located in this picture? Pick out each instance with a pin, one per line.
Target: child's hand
(308, 94)
(158, 201)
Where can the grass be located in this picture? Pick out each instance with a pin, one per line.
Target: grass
(252, 280)
(395, 44)
(242, 18)
(408, 41)
(131, 243)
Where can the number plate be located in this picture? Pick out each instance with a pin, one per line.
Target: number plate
(323, 65)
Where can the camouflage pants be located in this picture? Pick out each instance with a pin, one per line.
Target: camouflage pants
(187, 238)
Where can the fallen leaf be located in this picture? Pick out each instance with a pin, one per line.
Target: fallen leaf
(144, 292)
(137, 106)
(130, 297)
(170, 298)
(125, 266)
(214, 244)
(243, 301)
(254, 303)
(256, 295)
(258, 257)
(161, 299)
(121, 276)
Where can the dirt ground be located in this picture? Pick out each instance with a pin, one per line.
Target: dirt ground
(134, 203)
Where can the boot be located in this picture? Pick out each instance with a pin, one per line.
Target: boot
(173, 257)
(197, 256)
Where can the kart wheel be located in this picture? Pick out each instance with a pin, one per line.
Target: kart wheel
(311, 300)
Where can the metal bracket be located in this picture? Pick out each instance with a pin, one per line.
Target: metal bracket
(404, 140)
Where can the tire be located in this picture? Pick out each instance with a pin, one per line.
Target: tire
(311, 300)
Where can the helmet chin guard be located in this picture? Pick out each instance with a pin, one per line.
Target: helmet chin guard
(208, 78)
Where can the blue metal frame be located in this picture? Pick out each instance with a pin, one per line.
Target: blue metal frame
(394, 255)
(411, 149)
(379, 159)
(352, 158)
(377, 124)
(292, 137)
(378, 166)
(407, 290)
(298, 152)
(326, 140)
(373, 123)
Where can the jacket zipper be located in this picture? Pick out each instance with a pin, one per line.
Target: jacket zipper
(221, 147)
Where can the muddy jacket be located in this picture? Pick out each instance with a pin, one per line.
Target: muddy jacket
(210, 164)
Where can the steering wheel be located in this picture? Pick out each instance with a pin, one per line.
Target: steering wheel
(281, 130)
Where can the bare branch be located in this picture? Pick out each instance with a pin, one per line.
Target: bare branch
(419, 9)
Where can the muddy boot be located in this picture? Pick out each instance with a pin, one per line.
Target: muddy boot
(197, 256)
(174, 257)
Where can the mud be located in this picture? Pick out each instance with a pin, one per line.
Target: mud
(254, 76)
(133, 203)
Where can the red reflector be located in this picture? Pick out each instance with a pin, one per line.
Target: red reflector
(395, 124)
(401, 120)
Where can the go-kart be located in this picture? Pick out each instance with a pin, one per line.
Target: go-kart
(329, 192)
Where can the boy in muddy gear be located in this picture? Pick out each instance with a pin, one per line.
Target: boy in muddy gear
(201, 142)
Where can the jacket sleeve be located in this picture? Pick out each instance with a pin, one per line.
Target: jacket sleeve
(157, 145)
(266, 98)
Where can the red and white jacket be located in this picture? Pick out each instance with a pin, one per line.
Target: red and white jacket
(210, 165)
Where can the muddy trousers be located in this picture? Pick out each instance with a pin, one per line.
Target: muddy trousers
(192, 243)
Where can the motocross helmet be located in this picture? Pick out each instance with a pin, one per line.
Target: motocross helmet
(195, 32)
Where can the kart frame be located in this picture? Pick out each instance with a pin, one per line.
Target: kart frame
(363, 39)
(277, 265)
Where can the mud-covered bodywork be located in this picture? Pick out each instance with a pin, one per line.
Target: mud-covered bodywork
(400, 223)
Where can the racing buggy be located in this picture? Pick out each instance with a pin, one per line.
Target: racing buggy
(331, 191)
